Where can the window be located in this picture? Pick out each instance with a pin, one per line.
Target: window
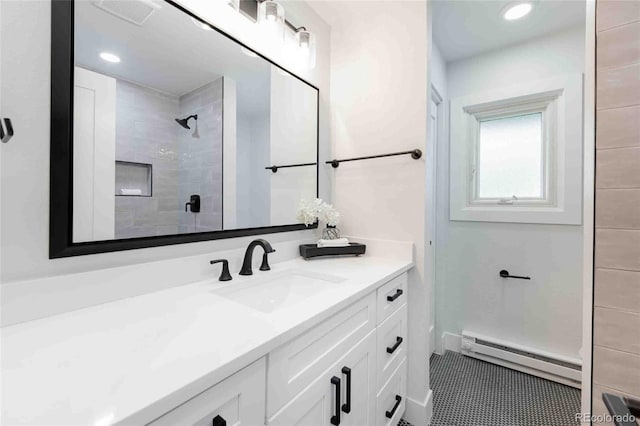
(510, 164)
(516, 154)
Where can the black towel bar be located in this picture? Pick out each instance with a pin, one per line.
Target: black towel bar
(274, 169)
(415, 154)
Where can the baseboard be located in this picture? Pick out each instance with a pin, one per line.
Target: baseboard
(432, 340)
(451, 342)
(419, 412)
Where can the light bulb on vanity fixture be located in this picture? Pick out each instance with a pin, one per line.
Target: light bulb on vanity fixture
(306, 45)
(271, 18)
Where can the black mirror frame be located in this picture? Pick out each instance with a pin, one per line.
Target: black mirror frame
(61, 160)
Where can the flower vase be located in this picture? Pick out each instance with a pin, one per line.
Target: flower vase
(330, 233)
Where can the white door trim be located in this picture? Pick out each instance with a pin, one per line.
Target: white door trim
(588, 204)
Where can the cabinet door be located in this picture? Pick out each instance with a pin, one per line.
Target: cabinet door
(314, 406)
(318, 403)
(294, 365)
(361, 363)
(236, 401)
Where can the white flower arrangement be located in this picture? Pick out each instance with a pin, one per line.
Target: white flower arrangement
(310, 211)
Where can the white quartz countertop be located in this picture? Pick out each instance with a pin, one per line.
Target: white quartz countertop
(132, 360)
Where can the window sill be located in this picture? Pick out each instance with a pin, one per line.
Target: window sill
(516, 214)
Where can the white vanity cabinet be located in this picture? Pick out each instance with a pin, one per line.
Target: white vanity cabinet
(342, 395)
(350, 369)
(238, 400)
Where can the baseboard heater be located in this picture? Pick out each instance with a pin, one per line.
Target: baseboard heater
(549, 366)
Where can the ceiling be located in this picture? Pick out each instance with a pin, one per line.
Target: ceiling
(168, 53)
(464, 28)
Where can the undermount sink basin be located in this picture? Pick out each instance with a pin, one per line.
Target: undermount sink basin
(278, 290)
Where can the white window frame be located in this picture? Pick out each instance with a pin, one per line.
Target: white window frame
(560, 102)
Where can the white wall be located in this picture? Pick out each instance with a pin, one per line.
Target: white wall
(379, 105)
(544, 313)
(25, 33)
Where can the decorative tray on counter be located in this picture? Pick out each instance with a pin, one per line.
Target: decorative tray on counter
(308, 251)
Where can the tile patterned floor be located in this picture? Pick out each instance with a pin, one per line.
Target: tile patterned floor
(470, 392)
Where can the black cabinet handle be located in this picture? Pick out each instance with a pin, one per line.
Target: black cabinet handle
(395, 296)
(346, 407)
(392, 349)
(335, 419)
(218, 421)
(390, 414)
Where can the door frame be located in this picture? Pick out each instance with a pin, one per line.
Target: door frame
(588, 205)
(431, 230)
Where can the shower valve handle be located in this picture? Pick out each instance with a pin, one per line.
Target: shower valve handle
(193, 204)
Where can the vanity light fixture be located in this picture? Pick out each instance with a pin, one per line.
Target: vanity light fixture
(516, 11)
(271, 18)
(306, 44)
(109, 57)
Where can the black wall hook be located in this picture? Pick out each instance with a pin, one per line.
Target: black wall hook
(5, 136)
(505, 274)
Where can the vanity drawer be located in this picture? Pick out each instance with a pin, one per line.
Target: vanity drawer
(391, 400)
(392, 296)
(295, 365)
(237, 400)
(391, 344)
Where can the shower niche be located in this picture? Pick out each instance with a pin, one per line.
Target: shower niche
(133, 179)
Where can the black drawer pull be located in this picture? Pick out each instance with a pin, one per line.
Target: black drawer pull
(390, 414)
(395, 296)
(346, 407)
(335, 419)
(219, 421)
(392, 349)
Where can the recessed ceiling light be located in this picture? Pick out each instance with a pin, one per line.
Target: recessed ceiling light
(201, 25)
(249, 52)
(110, 57)
(516, 11)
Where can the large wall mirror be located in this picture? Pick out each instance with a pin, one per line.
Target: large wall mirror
(166, 130)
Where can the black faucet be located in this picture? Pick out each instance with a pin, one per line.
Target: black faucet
(248, 256)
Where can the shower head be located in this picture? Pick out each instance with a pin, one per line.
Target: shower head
(184, 122)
